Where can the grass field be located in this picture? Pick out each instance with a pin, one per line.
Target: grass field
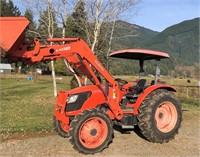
(27, 106)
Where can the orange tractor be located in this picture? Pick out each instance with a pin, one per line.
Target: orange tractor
(88, 113)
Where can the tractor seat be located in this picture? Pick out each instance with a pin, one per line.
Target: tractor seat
(136, 90)
(140, 86)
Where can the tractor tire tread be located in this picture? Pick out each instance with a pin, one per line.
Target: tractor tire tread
(145, 121)
(58, 129)
(78, 120)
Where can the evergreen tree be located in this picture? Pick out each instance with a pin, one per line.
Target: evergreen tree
(7, 8)
(75, 23)
(74, 28)
(31, 33)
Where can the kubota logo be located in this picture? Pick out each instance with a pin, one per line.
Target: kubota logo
(64, 49)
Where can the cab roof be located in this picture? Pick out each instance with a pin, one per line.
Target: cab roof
(139, 54)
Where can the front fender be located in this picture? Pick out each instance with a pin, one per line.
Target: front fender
(147, 91)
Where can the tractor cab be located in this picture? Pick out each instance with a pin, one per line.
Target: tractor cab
(133, 90)
(142, 55)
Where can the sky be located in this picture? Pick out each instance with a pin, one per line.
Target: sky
(160, 14)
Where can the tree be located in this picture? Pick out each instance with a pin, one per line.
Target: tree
(47, 26)
(31, 33)
(72, 27)
(90, 17)
(100, 12)
(8, 9)
(76, 21)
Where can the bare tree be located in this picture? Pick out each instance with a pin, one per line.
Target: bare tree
(99, 12)
(48, 20)
(50, 26)
(102, 11)
(109, 44)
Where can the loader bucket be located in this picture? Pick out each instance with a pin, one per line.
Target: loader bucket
(12, 33)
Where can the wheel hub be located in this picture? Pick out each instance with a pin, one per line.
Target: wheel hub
(166, 117)
(160, 115)
(93, 132)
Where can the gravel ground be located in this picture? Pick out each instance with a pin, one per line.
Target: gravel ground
(186, 143)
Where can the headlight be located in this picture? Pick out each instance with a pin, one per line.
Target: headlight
(72, 98)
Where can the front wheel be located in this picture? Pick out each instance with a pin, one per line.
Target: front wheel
(60, 128)
(91, 131)
(160, 116)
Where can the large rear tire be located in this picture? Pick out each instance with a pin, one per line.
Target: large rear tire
(91, 131)
(160, 116)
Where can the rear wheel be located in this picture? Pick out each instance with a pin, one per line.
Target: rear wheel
(160, 116)
(91, 131)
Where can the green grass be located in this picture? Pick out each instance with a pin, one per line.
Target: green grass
(27, 106)
(190, 104)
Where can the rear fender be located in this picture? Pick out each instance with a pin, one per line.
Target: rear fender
(147, 91)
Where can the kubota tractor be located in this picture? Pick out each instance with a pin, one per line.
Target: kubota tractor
(87, 114)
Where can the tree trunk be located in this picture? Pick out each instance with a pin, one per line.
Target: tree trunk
(54, 79)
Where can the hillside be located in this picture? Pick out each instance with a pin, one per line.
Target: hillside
(181, 41)
(125, 36)
(128, 35)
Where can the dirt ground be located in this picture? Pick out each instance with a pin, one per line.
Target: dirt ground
(129, 144)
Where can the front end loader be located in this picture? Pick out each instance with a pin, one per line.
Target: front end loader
(87, 114)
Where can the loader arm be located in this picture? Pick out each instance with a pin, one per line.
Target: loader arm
(75, 51)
